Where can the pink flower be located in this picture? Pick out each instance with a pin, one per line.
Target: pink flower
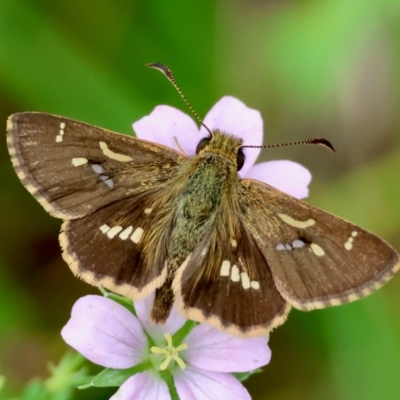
(168, 126)
(199, 363)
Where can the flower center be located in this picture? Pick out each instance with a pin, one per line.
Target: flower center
(171, 353)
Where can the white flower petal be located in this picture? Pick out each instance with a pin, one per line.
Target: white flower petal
(167, 125)
(287, 176)
(194, 383)
(156, 331)
(143, 386)
(105, 332)
(232, 116)
(213, 350)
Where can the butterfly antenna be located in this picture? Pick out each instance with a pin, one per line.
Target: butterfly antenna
(320, 141)
(168, 74)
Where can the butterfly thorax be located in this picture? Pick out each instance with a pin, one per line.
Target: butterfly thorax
(210, 178)
(223, 145)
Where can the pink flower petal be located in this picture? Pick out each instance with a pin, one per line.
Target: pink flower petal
(105, 332)
(232, 116)
(213, 350)
(143, 386)
(156, 331)
(287, 176)
(196, 384)
(165, 124)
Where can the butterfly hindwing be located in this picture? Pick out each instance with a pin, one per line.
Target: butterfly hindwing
(109, 247)
(232, 290)
(74, 169)
(316, 259)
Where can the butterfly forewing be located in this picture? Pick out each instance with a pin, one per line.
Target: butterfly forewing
(316, 259)
(74, 169)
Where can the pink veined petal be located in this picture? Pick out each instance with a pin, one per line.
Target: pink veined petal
(105, 332)
(287, 176)
(156, 331)
(167, 125)
(213, 350)
(232, 116)
(195, 384)
(143, 386)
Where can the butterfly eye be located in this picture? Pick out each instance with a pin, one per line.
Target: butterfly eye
(202, 144)
(240, 159)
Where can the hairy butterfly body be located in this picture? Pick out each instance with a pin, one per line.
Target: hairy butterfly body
(139, 217)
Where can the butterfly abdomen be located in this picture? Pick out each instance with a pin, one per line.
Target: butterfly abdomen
(197, 208)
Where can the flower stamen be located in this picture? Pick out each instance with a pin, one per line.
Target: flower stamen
(171, 353)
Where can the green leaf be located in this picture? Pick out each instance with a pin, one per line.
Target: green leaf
(70, 372)
(114, 377)
(35, 390)
(123, 301)
(181, 333)
(242, 376)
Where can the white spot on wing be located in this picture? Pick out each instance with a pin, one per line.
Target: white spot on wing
(298, 244)
(77, 162)
(225, 268)
(349, 244)
(245, 280)
(255, 285)
(111, 154)
(317, 250)
(107, 180)
(97, 168)
(295, 223)
(235, 277)
(148, 210)
(137, 235)
(233, 243)
(125, 233)
(280, 247)
(104, 228)
(114, 231)
(109, 183)
(59, 137)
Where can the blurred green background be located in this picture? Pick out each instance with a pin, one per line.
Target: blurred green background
(326, 68)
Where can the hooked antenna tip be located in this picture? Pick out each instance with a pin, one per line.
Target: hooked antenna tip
(162, 68)
(323, 142)
(168, 74)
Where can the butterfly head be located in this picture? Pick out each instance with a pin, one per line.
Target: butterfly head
(223, 145)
